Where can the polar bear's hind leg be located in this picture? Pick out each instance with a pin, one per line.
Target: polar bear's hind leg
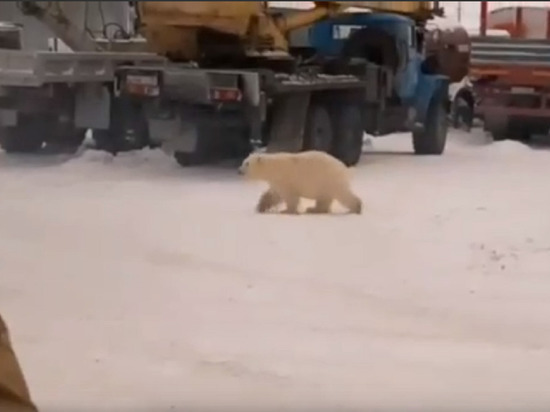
(351, 201)
(322, 205)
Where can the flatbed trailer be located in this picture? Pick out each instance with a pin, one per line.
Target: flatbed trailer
(57, 96)
(19, 68)
(52, 98)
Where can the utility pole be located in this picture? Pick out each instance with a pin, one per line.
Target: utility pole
(483, 18)
(459, 12)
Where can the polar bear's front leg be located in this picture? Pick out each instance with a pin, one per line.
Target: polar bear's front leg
(268, 200)
(292, 201)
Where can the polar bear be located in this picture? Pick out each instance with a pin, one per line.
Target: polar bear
(311, 174)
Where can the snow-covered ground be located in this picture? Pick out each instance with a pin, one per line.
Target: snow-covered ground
(135, 283)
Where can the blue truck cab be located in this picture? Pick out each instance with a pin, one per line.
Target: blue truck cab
(329, 37)
(394, 43)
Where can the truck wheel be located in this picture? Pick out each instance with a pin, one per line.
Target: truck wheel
(15, 140)
(103, 140)
(432, 140)
(67, 141)
(318, 133)
(347, 123)
(75, 139)
(27, 137)
(186, 159)
(128, 130)
(511, 134)
(118, 139)
(499, 135)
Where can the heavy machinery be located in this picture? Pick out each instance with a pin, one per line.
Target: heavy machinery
(220, 78)
(510, 74)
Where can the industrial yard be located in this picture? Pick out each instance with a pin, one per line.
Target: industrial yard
(136, 273)
(131, 283)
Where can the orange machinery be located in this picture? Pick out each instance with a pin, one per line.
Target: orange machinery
(511, 76)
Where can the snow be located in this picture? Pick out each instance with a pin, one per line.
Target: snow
(133, 284)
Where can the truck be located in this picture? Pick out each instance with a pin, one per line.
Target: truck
(220, 79)
(510, 74)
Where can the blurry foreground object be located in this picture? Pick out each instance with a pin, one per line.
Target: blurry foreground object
(14, 394)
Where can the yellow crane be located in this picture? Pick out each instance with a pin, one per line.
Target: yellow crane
(174, 28)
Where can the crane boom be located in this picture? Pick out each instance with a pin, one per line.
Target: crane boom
(52, 16)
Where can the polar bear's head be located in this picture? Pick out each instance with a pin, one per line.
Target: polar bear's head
(251, 167)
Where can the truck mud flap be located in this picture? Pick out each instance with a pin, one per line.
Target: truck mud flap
(286, 133)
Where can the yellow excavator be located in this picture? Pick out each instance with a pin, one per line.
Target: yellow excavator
(219, 79)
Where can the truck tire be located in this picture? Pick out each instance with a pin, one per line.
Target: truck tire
(318, 132)
(104, 140)
(515, 132)
(27, 137)
(432, 139)
(67, 140)
(186, 159)
(347, 123)
(119, 139)
(74, 140)
(128, 129)
(499, 136)
(15, 140)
